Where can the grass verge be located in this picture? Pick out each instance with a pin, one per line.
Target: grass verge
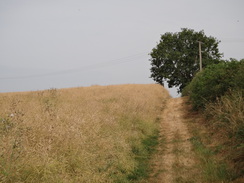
(216, 138)
(212, 170)
(143, 156)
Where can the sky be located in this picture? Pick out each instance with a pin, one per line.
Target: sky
(73, 43)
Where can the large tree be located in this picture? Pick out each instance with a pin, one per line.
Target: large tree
(175, 59)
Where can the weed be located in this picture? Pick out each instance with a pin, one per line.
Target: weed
(5, 124)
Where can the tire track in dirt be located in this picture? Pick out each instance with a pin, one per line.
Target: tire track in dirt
(174, 160)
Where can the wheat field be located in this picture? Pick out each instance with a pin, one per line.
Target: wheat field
(86, 134)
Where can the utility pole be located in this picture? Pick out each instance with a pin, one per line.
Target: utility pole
(200, 54)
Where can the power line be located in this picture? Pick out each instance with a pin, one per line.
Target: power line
(232, 40)
(112, 62)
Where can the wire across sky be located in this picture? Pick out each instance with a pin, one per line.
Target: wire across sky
(109, 63)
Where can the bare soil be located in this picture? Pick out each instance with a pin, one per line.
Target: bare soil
(175, 159)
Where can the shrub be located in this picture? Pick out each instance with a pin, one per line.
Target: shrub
(219, 90)
(214, 82)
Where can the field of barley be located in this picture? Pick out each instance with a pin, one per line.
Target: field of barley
(86, 134)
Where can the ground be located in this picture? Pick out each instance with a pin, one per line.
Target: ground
(175, 159)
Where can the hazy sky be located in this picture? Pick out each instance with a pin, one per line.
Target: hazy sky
(69, 43)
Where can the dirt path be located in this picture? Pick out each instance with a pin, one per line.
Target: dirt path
(174, 160)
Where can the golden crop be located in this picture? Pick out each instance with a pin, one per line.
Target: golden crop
(85, 134)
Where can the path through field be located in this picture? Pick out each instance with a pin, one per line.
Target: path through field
(174, 160)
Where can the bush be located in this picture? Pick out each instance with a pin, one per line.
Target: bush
(214, 82)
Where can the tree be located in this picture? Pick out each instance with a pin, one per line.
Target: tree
(175, 59)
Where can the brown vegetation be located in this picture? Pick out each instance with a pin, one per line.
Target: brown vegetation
(218, 138)
(76, 135)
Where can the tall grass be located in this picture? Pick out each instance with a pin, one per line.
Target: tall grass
(212, 170)
(90, 134)
(228, 113)
(226, 117)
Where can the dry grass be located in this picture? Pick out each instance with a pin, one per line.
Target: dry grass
(76, 135)
(228, 113)
(218, 134)
(227, 122)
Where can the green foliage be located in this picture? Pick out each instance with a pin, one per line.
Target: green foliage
(142, 146)
(175, 58)
(214, 82)
(142, 156)
(219, 90)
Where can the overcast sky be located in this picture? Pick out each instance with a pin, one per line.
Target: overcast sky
(68, 43)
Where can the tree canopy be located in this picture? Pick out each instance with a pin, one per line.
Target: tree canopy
(175, 59)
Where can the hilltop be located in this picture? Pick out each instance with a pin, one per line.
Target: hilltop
(87, 134)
